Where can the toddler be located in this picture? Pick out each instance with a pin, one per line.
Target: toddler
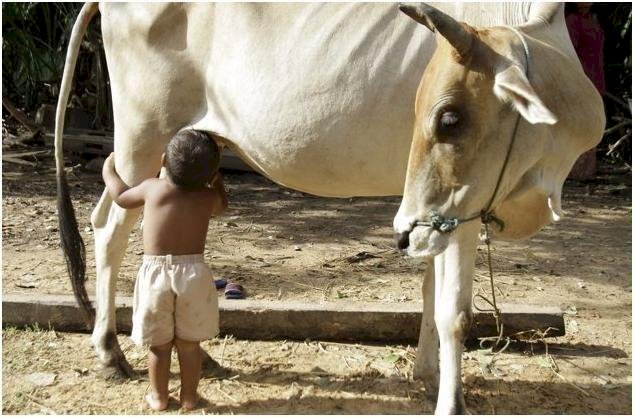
(175, 301)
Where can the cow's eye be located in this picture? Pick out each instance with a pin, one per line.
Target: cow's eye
(449, 120)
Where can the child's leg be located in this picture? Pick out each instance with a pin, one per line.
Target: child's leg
(189, 359)
(159, 369)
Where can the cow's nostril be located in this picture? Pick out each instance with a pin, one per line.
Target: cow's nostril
(402, 240)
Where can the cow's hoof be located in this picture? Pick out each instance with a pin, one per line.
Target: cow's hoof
(457, 410)
(422, 373)
(211, 368)
(430, 381)
(431, 387)
(117, 370)
(451, 405)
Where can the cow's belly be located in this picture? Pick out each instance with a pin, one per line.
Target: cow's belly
(335, 145)
(326, 165)
(323, 100)
(318, 97)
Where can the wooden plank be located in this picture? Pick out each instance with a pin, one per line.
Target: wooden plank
(23, 154)
(297, 320)
(85, 143)
(18, 161)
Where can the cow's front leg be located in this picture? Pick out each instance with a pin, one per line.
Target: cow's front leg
(426, 365)
(112, 226)
(454, 280)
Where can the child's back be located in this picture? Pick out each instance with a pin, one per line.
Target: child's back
(175, 221)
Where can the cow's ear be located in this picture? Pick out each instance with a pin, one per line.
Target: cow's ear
(512, 86)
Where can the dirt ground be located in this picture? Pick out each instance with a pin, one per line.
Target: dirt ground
(285, 245)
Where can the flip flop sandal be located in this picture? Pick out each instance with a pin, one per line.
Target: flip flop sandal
(220, 283)
(234, 292)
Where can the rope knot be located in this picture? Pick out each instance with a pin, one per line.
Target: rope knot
(441, 224)
(490, 217)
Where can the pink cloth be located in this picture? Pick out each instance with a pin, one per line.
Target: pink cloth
(588, 39)
(586, 166)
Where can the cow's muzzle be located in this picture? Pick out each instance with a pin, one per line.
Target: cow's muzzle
(402, 239)
(422, 241)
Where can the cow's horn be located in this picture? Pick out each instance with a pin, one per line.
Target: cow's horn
(438, 21)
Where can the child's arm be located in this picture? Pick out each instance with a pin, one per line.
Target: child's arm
(219, 200)
(125, 196)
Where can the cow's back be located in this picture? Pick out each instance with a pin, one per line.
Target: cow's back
(318, 97)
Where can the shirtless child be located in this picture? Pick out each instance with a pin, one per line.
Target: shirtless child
(175, 301)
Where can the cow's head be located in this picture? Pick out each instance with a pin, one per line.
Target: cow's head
(467, 106)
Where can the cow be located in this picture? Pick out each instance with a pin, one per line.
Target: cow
(319, 98)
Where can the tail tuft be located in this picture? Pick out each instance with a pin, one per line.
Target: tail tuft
(73, 247)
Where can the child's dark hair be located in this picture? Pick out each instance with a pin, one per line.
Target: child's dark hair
(191, 159)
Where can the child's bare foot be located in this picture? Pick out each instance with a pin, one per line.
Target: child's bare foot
(189, 403)
(155, 402)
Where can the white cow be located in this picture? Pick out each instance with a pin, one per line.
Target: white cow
(317, 97)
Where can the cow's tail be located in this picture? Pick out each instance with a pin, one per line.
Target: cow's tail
(72, 243)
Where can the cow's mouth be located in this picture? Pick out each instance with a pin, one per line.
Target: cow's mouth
(423, 242)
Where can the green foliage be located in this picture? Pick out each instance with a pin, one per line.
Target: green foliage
(34, 41)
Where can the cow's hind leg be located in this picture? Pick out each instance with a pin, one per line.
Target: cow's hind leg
(112, 226)
(426, 365)
(137, 157)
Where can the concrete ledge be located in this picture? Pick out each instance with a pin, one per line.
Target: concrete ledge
(269, 320)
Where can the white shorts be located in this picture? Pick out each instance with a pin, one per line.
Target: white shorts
(174, 296)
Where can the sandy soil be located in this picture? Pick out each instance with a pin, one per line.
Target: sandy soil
(46, 372)
(281, 244)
